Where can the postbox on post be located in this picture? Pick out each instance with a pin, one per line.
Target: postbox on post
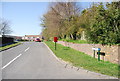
(98, 49)
(55, 40)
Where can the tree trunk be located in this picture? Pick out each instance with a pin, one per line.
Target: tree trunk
(71, 36)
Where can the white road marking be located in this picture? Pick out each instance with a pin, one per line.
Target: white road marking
(11, 61)
(27, 49)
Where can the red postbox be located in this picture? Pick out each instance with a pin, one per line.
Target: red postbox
(55, 39)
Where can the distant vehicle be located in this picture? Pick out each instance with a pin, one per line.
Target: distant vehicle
(37, 40)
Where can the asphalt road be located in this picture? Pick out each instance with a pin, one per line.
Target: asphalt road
(33, 60)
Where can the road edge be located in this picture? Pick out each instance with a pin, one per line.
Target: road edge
(69, 65)
(58, 59)
(10, 47)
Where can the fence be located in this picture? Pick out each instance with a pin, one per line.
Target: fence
(6, 41)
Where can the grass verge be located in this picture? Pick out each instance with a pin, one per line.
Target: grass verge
(75, 41)
(9, 46)
(83, 60)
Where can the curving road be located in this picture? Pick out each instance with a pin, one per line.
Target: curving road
(33, 60)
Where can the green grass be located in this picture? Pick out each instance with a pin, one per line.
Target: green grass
(80, 59)
(9, 46)
(75, 41)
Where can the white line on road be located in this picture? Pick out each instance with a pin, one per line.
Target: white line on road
(11, 61)
(27, 49)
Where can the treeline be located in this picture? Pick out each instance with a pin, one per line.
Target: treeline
(100, 22)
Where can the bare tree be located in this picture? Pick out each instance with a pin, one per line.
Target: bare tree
(4, 27)
(60, 17)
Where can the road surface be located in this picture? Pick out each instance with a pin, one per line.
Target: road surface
(33, 60)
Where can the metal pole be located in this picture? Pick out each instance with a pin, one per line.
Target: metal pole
(55, 45)
(98, 55)
(94, 54)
